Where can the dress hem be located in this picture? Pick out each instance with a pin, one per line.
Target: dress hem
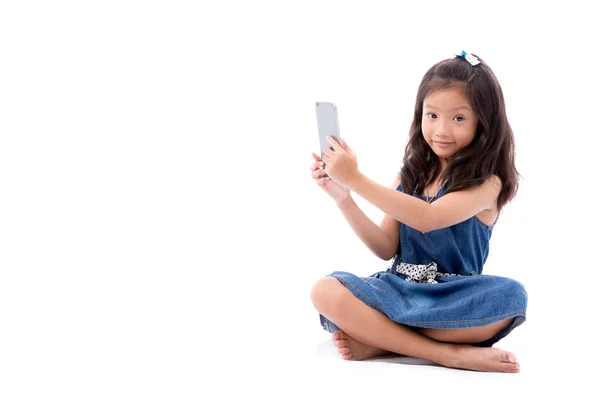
(465, 323)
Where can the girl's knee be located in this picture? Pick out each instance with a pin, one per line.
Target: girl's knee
(327, 294)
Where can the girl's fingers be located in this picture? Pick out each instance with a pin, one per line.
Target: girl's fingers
(316, 157)
(318, 173)
(346, 147)
(316, 165)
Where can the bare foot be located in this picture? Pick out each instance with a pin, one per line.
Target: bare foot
(352, 349)
(481, 359)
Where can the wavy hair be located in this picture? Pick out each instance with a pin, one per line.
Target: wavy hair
(492, 150)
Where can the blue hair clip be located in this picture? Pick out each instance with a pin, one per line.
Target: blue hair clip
(469, 57)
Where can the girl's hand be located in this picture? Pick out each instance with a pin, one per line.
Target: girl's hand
(333, 189)
(341, 164)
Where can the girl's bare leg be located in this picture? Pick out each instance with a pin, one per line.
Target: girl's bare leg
(367, 333)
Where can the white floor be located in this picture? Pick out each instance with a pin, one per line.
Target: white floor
(305, 364)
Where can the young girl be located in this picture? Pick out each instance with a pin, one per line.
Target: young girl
(458, 172)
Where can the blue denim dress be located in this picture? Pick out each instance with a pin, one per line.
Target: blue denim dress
(460, 296)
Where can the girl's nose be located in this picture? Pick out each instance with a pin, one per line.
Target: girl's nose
(443, 128)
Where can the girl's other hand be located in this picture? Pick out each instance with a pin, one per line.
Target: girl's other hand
(333, 189)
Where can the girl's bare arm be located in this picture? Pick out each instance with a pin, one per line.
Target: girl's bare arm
(449, 210)
(382, 239)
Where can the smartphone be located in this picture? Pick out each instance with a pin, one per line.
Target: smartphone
(327, 123)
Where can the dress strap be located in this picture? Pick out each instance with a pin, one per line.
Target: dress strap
(441, 187)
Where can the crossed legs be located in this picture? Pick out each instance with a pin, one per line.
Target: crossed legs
(366, 332)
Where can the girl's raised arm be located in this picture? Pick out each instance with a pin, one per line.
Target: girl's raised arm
(449, 210)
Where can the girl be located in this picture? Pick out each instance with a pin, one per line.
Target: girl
(458, 172)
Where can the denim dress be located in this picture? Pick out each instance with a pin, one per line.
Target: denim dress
(435, 281)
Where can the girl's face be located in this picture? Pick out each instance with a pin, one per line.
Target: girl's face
(449, 123)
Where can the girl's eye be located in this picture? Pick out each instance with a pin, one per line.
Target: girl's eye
(431, 115)
(461, 118)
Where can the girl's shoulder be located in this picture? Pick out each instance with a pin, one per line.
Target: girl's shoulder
(495, 181)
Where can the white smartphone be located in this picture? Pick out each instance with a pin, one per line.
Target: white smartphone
(327, 123)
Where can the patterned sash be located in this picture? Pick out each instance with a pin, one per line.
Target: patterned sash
(421, 273)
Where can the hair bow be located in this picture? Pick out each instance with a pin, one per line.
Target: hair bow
(469, 57)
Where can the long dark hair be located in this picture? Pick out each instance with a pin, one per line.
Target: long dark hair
(492, 150)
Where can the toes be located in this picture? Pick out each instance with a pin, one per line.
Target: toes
(339, 335)
(343, 335)
(511, 367)
(343, 350)
(507, 356)
(341, 343)
(347, 356)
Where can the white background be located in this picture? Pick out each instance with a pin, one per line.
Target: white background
(159, 230)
